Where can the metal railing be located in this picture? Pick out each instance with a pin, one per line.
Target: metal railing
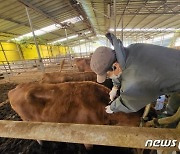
(11, 68)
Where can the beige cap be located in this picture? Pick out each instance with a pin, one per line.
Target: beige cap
(101, 61)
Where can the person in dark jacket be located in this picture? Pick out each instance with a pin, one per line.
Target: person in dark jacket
(142, 72)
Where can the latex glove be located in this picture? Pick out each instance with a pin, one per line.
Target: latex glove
(108, 109)
(113, 93)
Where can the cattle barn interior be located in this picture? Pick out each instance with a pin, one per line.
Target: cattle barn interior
(47, 45)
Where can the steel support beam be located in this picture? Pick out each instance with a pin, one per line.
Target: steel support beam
(55, 20)
(123, 13)
(36, 44)
(114, 17)
(167, 13)
(27, 4)
(156, 19)
(23, 24)
(134, 137)
(149, 14)
(83, 14)
(136, 13)
(122, 29)
(89, 11)
(86, 47)
(80, 48)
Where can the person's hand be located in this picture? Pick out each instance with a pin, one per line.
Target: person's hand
(108, 109)
(113, 93)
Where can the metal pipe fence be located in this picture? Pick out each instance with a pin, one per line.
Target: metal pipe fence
(11, 68)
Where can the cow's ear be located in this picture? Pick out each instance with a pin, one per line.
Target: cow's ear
(39, 95)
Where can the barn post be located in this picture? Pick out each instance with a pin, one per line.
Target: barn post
(122, 31)
(48, 53)
(86, 46)
(21, 56)
(69, 56)
(80, 49)
(34, 37)
(115, 17)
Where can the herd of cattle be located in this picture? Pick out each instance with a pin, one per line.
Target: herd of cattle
(68, 98)
(71, 97)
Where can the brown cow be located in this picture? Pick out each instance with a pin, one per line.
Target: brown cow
(70, 102)
(83, 64)
(59, 77)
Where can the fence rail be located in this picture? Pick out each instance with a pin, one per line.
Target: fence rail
(11, 68)
(134, 137)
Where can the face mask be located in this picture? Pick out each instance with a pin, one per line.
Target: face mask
(115, 76)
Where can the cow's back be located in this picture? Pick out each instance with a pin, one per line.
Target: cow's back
(80, 102)
(59, 77)
(71, 102)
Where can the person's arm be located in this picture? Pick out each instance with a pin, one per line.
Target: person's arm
(116, 83)
(119, 106)
(116, 86)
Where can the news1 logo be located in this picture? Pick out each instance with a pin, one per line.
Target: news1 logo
(162, 143)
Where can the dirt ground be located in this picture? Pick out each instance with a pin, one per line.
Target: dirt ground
(19, 146)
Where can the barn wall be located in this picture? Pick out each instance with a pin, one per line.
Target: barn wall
(11, 52)
(29, 51)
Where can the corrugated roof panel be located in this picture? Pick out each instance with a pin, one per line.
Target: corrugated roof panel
(20, 30)
(167, 23)
(6, 3)
(53, 4)
(141, 14)
(4, 23)
(10, 10)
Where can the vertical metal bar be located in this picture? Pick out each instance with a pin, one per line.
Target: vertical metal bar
(21, 56)
(19, 51)
(143, 38)
(66, 38)
(65, 48)
(80, 49)
(59, 50)
(86, 47)
(48, 53)
(68, 48)
(89, 47)
(152, 39)
(5, 57)
(122, 29)
(51, 51)
(58, 57)
(34, 37)
(115, 17)
(24, 60)
(162, 40)
(41, 51)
